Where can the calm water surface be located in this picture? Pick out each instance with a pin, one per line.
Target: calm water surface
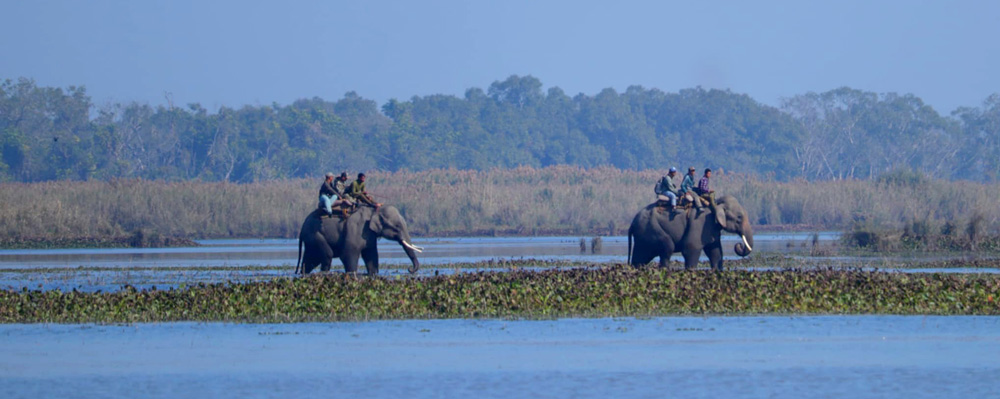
(438, 251)
(248, 260)
(714, 357)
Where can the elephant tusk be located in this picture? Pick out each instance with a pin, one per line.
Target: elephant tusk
(413, 247)
(746, 243)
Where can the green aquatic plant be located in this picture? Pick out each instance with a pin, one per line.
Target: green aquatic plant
(595, 291)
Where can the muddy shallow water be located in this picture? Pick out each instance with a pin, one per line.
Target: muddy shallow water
(827, 356)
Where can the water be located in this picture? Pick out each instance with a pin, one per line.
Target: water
(438, 251)
(827, 356)
(713, 357)
(247, 260)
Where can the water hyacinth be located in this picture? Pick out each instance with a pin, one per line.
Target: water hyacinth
(599, 291)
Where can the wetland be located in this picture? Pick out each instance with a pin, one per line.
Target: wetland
(252, 281)
(498, 317)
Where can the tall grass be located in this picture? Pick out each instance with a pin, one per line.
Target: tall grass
(524, 201)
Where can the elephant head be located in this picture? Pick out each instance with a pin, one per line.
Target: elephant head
(388, 223)
(733, 218)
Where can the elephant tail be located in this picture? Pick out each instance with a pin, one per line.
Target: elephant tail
(629, 257)
(298, 260)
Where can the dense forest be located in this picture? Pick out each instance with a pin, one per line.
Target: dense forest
(60, 134)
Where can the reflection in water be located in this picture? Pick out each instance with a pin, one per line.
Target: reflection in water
(829, 356)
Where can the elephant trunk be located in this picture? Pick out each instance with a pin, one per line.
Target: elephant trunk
(746, 246)
(411, 252)
(413, 258)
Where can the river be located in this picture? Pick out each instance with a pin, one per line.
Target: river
(876, 356)
(244, 260)
(690, 357)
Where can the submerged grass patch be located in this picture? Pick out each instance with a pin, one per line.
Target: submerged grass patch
(599, 291)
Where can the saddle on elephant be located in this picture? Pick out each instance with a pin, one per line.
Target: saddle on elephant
(344, 211)
(341, 210)
(687, 201)
(683, 204)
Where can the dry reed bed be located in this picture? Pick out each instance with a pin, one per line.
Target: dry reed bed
(553, 200)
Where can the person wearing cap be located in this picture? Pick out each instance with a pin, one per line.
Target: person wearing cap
(666, 189)
(687, 187)
(327, 194)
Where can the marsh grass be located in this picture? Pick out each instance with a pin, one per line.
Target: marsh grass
(558, 200)
(923, 235)
(600, 291)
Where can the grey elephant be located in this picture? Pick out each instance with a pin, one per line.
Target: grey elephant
(351, 238)
(659, 232)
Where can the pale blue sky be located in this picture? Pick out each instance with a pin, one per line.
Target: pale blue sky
(235, 53)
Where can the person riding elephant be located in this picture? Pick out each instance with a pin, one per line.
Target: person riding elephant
(322, 239)
(660, 234)
(704, 189)
(687, 188)
(358, 194)
(343, 202)
(329, 195)
(667, 188)
(340, 185)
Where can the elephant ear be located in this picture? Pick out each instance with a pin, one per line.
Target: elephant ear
(375, 224)
(720, 216)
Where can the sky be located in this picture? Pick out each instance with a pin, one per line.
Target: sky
(248, 52)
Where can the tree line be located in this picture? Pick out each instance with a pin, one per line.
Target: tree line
(51, 134)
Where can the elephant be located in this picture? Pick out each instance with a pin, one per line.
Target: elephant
(661, 232)
(324, 238)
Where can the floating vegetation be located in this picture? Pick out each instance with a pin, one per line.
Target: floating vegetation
(596, 291)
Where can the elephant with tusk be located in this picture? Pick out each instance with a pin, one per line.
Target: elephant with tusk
(324, 238)
(658, 232)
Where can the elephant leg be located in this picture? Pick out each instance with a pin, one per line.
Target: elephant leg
(641, 256)
(370, 257)
(309, 262)
(668, 250)
(324, 258)
(690, 257)
(714, 253)
(664, 261)
(350, 261)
